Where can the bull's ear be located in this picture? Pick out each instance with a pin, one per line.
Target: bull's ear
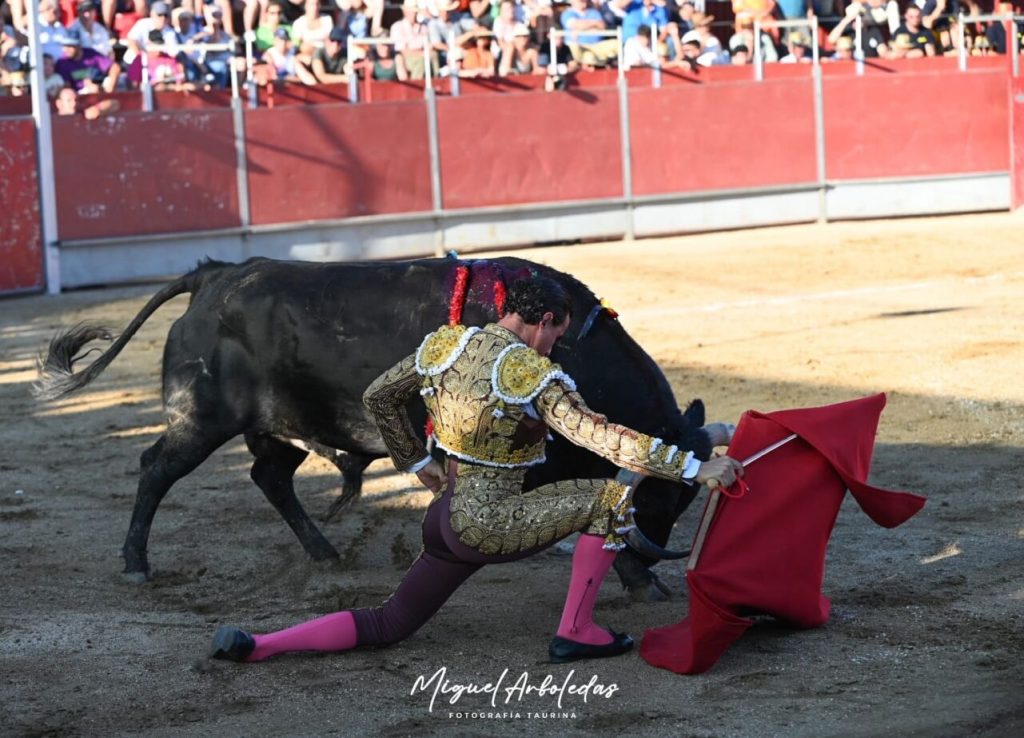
(694, 413)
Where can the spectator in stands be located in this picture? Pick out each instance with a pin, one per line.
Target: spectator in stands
(739, 55)
(843, 50)
(165, 71)
(477, 59)
(591, 49)
(328, 65)
(270, 21)
(216, 65)
(637, 51)
(361, 19)
(480, 11)
(798, 46)
(561, 65)
(793, 9)
(995, 34)
(681, 15)
(120, 15)
(712, 52)
(283, 61)
(448, 22)
(411, 40)
(902, 47)
(312, 27)
(147, 30)
(744, 36)
(540, 18)
(751, 10)
(80, 65)
(931, 12)
(690, 51)
(13, 58)
(51, 31)
(922, 39)
(877, 23)
(92, 34)
(52, 82)
(647, 13)
(504, 27)
(519, 57)
(384, 65)
(66, 103)
(982, 47)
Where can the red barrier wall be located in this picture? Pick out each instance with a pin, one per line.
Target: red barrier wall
(729, 135)
(915, 125)
(529, 148)
(21, 242)
(337, 161)
(1016, 95)
(142, 173)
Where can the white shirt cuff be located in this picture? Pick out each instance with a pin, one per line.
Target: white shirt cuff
(691, 468)
(420, 464)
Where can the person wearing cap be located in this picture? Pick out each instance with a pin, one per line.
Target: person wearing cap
(91, 33)
(142, 33)
(519, 57)
(328, 65)
(79, 67)
(922, 40)
(712, 51)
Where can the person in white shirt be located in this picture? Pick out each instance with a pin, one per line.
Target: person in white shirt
(637, 51)
(90, 33)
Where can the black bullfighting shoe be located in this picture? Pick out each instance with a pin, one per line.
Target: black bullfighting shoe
(562, 650)
(231, 643)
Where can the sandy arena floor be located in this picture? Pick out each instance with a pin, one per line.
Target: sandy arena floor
(927, 629)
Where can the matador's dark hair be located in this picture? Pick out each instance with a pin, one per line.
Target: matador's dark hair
(533, 296)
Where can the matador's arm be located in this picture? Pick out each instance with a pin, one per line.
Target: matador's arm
(385, 398)
(564, 409)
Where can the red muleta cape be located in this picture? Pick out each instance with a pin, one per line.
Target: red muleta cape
(764, 552)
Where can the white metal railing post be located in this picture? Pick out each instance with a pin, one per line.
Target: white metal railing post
(815, 55)
(552, 55)
(618, 39)
(858, 44)
(625, 144)
(1015, 46)
(656, 48)
(428, 76)
(147, 88)
(454, 81)
(44, 155)
(250, 79)
(961, 34)
(819, 123)
(353, 78)
(758, 52)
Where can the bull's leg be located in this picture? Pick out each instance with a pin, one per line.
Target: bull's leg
(352, 467)
(273, 471)
(180, 450)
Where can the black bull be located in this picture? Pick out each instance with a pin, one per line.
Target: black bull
(277, 350)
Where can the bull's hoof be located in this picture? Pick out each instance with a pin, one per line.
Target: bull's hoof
(135, 577)
(652, 591)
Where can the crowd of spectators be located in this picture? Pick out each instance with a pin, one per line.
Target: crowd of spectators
(93, 45)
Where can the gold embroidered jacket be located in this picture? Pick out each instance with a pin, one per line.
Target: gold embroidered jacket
(491, 400)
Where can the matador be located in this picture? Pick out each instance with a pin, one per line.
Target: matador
(492, 394)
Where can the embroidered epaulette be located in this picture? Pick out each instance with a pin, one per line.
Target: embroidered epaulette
(441, 348)
(520, 374)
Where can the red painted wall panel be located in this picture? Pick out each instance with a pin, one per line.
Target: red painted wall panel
(529, 148)
(337, 161)
(21, 242)
(722, 136)
(142, 173)
(903, 125)
(1017, 142)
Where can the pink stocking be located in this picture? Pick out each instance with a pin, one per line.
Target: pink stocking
(334, 632)
(590, 562)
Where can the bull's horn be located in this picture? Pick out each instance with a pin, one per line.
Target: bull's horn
(640, 543)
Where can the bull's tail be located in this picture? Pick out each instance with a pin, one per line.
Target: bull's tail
(57, 376)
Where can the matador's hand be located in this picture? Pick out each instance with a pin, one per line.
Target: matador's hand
(724, 470)
(433, 477)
